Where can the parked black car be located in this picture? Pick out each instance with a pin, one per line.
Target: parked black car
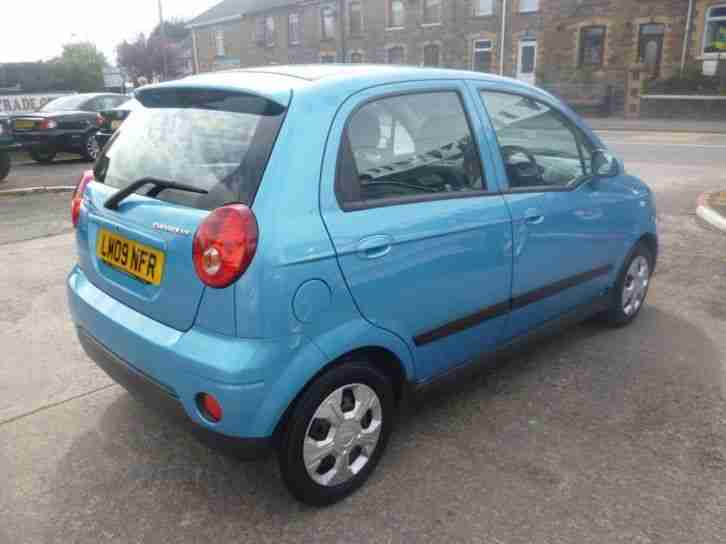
(112, 120)
(6, 144)
(67, 124)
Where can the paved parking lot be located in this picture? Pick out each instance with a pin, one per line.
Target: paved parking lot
(597, 435)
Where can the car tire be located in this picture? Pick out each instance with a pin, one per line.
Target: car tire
(90, 149)
(43, 155)
(325, 454)
(4, 165)
(631, 287)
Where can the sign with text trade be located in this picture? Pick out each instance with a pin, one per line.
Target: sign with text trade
(23, 103)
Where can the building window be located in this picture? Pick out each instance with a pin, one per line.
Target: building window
(431, 12)
(482, 56)
(528, 6)
(396, 55)
(431, 55)
(293, 28)
(269, 31)
(714, 38)
(483, 7)
(260, 30)
(592, 46)
(356, 57)
(355, 15)
(219, 43)
(650, 46)
(327, 22)
(396, 13)
(327, 58)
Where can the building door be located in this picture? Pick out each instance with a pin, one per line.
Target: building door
(527, 61)
(650, 47)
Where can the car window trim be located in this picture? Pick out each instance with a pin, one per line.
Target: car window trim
(567, 122)
(409, 199)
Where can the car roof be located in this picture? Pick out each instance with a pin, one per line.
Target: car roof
(277, 82)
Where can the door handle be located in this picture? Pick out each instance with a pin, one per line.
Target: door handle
(374, 247)
(533, 217)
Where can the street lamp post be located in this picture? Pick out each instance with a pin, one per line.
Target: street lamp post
(163, 41)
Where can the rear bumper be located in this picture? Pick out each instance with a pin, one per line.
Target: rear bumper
(166, 402)
(246, 376)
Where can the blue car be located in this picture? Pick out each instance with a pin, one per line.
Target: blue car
(282, 256)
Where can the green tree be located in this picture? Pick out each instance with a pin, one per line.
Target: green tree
(79, 68)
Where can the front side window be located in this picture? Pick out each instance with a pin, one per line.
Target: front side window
(483, 7)
(482, 56)
(294, 28)
(714, 39)
(269, 31)
(327, 22)
(408, 147)
(431, 54)
(592, 46)
(526, 6)
(539, 147)
(355, 14)
(219, 42)
(396, 13)
(431, 11)
(396, 55)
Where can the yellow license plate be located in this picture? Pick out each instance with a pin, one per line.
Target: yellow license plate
(115, 124)
(138, 260)
(23, 125)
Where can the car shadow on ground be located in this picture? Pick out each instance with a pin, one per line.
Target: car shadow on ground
(537, 423)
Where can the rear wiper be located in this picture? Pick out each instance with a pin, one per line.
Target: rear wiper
(159, 186)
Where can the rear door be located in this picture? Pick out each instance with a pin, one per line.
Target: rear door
(423, 238)
(141, 252)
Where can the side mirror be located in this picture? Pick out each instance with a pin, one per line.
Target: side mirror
(604, 164)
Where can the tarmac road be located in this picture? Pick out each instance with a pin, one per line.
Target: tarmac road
(598, 435)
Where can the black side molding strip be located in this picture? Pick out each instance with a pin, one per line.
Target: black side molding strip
(558, 286)
(502, 308)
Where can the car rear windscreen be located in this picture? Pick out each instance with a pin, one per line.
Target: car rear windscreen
(217, 141)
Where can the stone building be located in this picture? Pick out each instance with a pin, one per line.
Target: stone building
(613, 43)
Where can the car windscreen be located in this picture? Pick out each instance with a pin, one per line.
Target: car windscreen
(216, 141)
(65, 103)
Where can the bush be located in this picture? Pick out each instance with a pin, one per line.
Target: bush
(690, 82)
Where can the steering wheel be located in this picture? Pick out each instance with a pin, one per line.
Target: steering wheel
(521, 173)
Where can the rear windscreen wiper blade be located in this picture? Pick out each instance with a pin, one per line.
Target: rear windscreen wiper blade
(159, 186)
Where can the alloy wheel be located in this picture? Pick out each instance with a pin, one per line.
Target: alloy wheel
(635, 285)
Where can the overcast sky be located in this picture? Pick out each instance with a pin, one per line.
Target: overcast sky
(32, 30)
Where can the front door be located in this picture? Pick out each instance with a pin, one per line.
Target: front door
(565, 243)
(422, 236)
(527, 61)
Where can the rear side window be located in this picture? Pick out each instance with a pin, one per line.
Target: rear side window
(212, 140)
(407, 148)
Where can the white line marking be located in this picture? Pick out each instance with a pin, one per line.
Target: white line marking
(711, 146)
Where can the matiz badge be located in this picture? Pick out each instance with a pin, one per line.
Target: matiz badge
(170, 228)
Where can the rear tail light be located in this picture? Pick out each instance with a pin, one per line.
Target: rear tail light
(77, 198)
(48, 124)
(224, 245)
(209, 407)
(100, 120)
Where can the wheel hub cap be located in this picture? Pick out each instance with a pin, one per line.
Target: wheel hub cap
(342, 434)
(635, 285)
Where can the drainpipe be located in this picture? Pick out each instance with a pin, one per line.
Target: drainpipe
(686, 35)
(501, 40)
(195, 53)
